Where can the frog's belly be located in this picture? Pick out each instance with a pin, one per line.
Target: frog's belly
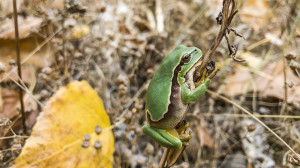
(176, 109)
(174, 115)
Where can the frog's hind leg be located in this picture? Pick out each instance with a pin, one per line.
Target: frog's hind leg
(166, 138)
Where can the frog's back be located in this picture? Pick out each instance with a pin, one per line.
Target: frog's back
(159, 90)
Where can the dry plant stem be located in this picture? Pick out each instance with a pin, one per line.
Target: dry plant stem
(227, 16)
(164, 157)
(285, 104)
(247, 116)
(19, 64)
(257, 119)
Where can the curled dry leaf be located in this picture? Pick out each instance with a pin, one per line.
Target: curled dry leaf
(41, 58)
(255, 13)
(204, 137)
(26, 25)
(275, 87)
(9, 97)
(268, 83)
(238, 83)
(57, 137)
(6, 6)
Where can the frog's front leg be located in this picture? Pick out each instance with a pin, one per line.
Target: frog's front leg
(189, 96)
(166, 138)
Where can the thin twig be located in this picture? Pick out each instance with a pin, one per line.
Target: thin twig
(257, 119)
(245, 115)
(224, 18)
(285, 101)
(19, 64)
(164, 157)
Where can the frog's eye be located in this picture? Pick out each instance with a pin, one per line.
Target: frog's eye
(186, 58)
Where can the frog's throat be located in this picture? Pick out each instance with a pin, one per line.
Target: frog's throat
(185, 76)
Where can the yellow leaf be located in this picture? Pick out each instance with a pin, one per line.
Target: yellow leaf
(255, 13)
(56, 139)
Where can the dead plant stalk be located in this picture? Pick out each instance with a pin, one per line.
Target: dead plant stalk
(226, 16)
(19, 63)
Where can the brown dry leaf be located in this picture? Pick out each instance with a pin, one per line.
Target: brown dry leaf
(238, 83)
(57, 137)
(42, 58)
(273, 86)
(26, 26)
(205, 137)
(28, 74)
(9, 95)
(255, 13)
(6, 6)
(10, 100)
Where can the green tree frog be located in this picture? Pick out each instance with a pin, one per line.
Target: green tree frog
(169, 94)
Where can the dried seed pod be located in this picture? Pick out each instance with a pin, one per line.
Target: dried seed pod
(293, 159)
(122, 79)
(134, 110)
(16, 148)
(98, 129)
(77, 54)
(290, 56)
(2, 68)
(18, 140)
(251, 127)
(12, 62)
(98, 145)
(47, 70)
(138, 130)
(85, 144)
(43, 76)
(149, 149)
(5, 122)
(139, 105)
(87, 137)
(294, 65)
(150, 71)
(123, 89)
(44, 93)
(128, 115)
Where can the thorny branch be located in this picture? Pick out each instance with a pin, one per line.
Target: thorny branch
(224, 19)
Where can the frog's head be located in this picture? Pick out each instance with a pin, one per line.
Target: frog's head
(190, 56)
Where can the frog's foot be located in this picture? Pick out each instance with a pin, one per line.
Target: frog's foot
(167, 138)
(180, 127)
(186, 136)
(184, 131)
(213, 68)
(209, 71)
